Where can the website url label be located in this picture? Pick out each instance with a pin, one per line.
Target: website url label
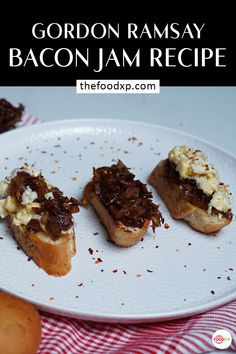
(117, 86)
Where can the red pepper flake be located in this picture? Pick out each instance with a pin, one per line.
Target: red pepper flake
(52, 298)
(74, 178)
(114, 271)
(95, 233)
(149, 271)
(228, 278)
(212, 292)
(206, 167)
(133, 139)
(124, 271)
(98, 260)
(166, 226)
(90, 251)
(81, 284)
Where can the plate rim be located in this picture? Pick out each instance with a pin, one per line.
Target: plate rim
(118, 318)
(123, 318)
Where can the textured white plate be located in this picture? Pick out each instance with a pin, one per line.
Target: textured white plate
(176, 273)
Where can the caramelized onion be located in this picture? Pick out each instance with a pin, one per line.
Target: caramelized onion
(126, 199)
(56, 213)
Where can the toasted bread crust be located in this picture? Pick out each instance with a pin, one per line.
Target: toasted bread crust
(120, 234)
(52, 256)
(180, 208)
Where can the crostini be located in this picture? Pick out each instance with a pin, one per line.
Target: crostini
(192, 191)
(123, 204)
(40, 218)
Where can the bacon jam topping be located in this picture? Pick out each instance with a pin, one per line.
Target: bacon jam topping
(127, 200)
(9, 115)
(52, 210)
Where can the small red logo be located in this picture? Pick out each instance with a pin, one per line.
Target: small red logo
(219, 339)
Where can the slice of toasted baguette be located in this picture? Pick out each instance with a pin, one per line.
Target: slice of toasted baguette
(180, 208)
(54, 256)
(120, 234)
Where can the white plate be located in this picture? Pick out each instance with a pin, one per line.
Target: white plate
(176, 273)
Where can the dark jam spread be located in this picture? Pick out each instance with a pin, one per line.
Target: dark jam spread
(55, 210)
(127, 200)
(9, 115)
(189, 190)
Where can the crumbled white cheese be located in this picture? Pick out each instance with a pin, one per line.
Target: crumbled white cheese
(22, 217)
(48, 195)
(25, 214)
(8, 205)
(22, 212)
(194, 165)
(37, 217)
(28, 196)
(221, 199)
(3, 188)
(3, 211)
(11, 204)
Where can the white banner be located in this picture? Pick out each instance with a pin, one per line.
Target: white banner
(117, 86)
